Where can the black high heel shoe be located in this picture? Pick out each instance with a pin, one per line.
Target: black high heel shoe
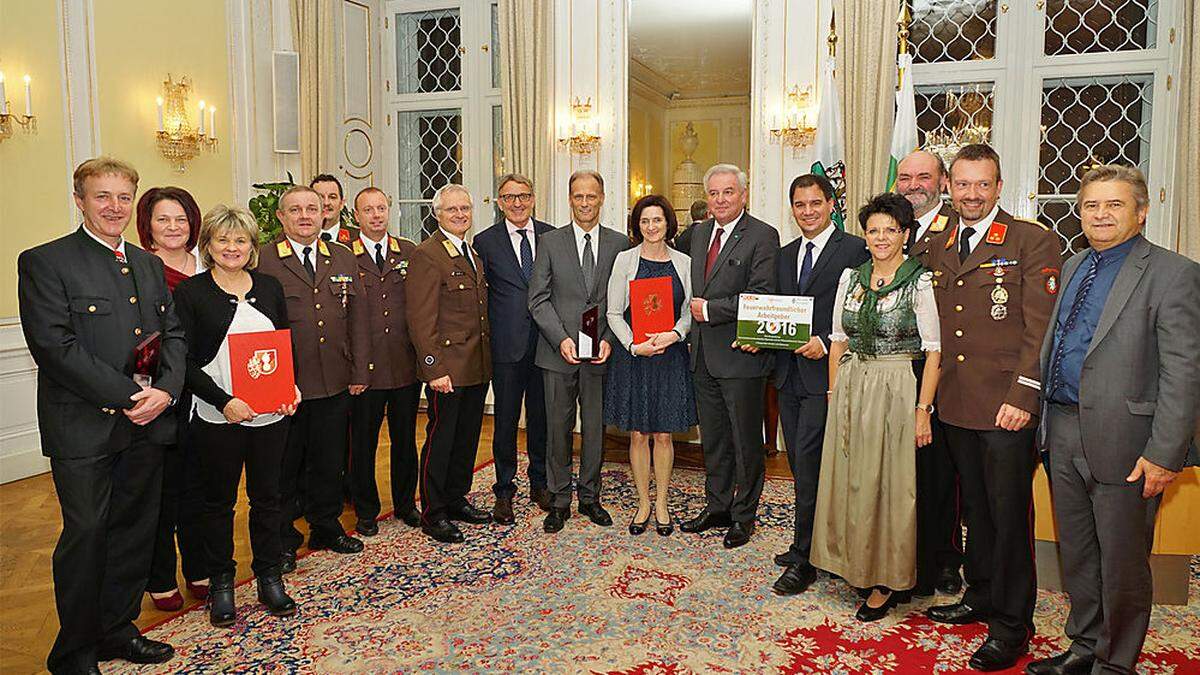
(867, 613)
(636, 528)
(663, 529)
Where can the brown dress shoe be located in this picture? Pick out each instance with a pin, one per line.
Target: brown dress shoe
(502, 512)
(541, 497)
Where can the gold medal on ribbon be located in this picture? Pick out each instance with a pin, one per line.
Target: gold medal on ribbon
(999, 295)
(999, 312)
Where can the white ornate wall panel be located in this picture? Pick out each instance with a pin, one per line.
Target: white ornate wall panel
(359, 29)
(20, 447)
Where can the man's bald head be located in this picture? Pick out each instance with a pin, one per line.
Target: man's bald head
(921, 179)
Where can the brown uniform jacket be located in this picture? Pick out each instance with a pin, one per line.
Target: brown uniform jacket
(330, 344)
(447, 314)
(393, 362)
(945, 219)
(994, 309)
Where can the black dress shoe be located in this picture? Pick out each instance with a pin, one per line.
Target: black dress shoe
(271, 594)
(466, 513)
(78, 667)
(541, 497)
(795, 580)
(140, 649)
(705, 521)
(738, 534)
(786, 559)
(596, 514)
(444, 531)
(996, 654)
(868, 613)
(222, 612)
(555, 520)
(957, 613)
(339, 544)
(367, 528)
(287, 563)
(923, 590)
(663, 529)
(502, 512)
(411, 516)
(636, 528)
(1066, 663)
(949, 581)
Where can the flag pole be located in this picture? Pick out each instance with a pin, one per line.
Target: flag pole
(902, 33)
(833, 38)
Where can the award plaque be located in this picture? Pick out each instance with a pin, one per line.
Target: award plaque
(588, 342)
(145, 360)
(774, 321)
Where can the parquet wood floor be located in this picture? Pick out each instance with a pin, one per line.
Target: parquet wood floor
(30, 522)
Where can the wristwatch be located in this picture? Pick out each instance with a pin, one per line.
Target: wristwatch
(928, 407)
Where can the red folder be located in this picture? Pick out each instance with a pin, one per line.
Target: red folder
(260, 366)
(651, 307)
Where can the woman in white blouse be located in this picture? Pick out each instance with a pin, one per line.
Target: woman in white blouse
(884, 317)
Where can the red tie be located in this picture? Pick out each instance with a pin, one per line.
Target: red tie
(713, 249)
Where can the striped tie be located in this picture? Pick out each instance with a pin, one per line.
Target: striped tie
(1085, 286)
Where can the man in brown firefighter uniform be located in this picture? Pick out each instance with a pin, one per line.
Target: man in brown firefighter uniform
(446, 295)
(921, 179)
(394, 389)
(995, 279)
(331, 350)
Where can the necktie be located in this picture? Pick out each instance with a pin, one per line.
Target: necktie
(589, 261)
(120, 255)
(526, 255)
(466, 250)
(806, 267)
(713, 249)
(1085, 286)
(325, 236)
(964, 243)
(379, 256)
(308, 263)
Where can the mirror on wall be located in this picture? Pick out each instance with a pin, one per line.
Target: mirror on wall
(689, 95)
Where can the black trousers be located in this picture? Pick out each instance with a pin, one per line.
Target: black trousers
(939, 527)
(226, 449)
(995, 470)
(366, 416)
(451, 443)
(731, 436)
(179, 518)
(512, 383)
(102, 560)
(317, 442)
(803, 420)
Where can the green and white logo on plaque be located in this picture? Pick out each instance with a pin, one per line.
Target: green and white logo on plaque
(774, 321)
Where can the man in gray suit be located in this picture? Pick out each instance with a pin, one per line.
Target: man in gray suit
(732, 253)
(570, 275)
(1121, 363)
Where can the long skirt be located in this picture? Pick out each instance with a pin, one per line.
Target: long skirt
(865, 527)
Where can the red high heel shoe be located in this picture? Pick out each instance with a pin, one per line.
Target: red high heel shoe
(198, 591)
(171, 603)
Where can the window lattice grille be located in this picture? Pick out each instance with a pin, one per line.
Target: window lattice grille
(1088, 121)
(952, 30)
(1100, 26)
(428, 55)
(430, 156)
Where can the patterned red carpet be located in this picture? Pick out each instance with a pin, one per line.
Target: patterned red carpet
(598, 600)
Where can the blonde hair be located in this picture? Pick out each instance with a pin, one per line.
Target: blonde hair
(1116, 172)
(102, 166)
(221, 219)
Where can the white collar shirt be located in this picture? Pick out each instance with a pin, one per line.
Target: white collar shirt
(580, 241)
(818, 243)
(514, 236)
(120, 243)
(369, 244)
(727, 228)
(981, 228)
(298, 249)
(333, 232)
(923, 222)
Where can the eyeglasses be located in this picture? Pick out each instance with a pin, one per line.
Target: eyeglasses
(520, 197)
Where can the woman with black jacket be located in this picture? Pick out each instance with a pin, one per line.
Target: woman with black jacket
(229, 299)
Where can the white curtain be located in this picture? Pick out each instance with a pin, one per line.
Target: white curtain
(526, 82)
(312, 26)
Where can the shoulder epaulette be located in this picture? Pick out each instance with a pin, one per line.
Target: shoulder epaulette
(338, 243)
(1040, 224)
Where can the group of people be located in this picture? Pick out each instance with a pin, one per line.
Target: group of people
(942, 342)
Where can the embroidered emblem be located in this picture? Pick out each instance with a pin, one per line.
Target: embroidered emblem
(358, 248)
(450, 248)
(322, 247)
(996, 233)
(939, 223)
(283, 248)
(1052, 283)
(999, 312)
(999, 295)
(343, 236)
(393, 245)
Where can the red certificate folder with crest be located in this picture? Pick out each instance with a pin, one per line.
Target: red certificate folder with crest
(651, 307)
(260, 369)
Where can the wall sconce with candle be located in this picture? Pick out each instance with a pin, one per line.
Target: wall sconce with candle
(28, 122)
(797, 130)
(178, 141)
(584, 132)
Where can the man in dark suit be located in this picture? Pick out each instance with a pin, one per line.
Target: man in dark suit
(447, 308)
(732, 253)
(570, 275)
(995, 278)
(506, 251)
(331, 347)
(1121, 371)
(393, 388)
(921, 179)
(811, 265)
(87, 301)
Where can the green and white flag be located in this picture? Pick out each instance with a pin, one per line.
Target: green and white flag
(829, 150)
(904, 132)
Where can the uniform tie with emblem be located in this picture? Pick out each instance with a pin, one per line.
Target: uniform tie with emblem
(308, 263)
(964, 244)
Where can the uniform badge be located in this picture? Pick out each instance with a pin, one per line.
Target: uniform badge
(343, 236)
(322, 247)
(999, 295)
(283, 248)
(939, 223)
(393, 245)
(262, 362)
(998, 272)
(996, 233)
(1052, 284)
(402, 267)
(450, 248)
(999, 312)
(357, 248)
(344, 290)
(429, 360)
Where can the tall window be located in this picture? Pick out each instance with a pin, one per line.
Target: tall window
(1056, 86)
(442, 87)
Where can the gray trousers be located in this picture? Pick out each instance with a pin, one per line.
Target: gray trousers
(1105, 535)
(563, 391)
